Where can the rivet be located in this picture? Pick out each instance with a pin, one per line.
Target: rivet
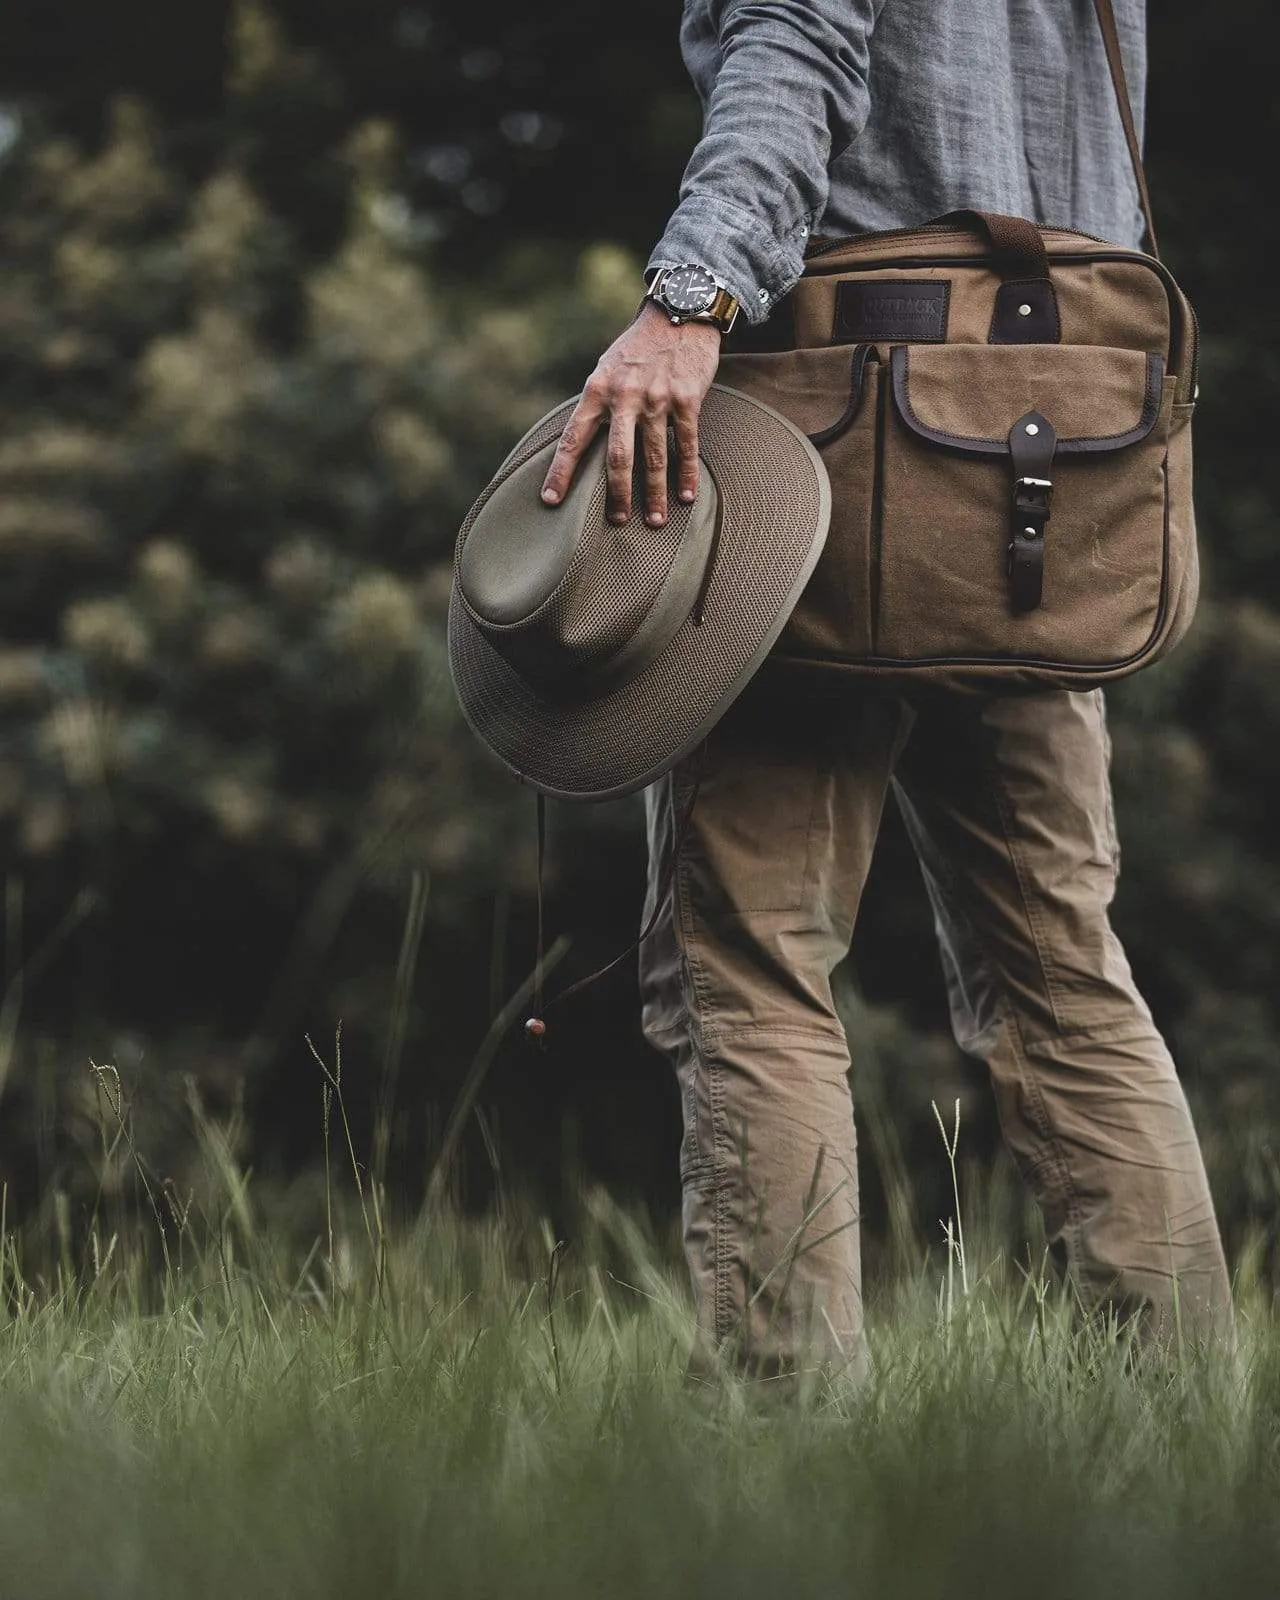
(1032, 428)
(1024, 311)
(1031, 533)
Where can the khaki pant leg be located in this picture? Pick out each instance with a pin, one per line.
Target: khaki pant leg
(736, 989)
(1009, 804)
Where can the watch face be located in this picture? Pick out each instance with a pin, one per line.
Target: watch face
(689, 290)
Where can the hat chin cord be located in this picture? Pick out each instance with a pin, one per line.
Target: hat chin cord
(536, 1025)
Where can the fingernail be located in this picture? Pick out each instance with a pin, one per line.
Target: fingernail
(656, 519)
(687, 495)
(550, 496)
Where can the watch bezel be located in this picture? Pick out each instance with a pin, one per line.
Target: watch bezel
(707, 300)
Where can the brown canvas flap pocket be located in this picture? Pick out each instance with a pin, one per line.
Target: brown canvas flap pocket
(1023, 496)
(968, 397)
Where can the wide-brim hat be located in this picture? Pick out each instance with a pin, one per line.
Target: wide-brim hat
(591, 657)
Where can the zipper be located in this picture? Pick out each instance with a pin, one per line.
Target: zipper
(934, 230)
(929, 231)
(1193, 391)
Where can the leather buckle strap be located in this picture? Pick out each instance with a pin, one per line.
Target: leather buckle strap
(1032, 441)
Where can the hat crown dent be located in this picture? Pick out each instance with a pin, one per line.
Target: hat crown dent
(563, 593)
(505, 583)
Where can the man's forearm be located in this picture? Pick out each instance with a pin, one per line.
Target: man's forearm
(790, 95)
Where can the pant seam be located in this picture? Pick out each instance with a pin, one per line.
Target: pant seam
(1038, 941)
(717, 1040)
(697, 1012)
(1073, 1231)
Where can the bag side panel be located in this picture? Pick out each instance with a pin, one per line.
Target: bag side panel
(1184, 549)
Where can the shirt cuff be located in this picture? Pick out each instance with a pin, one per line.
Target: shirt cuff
(756, 265)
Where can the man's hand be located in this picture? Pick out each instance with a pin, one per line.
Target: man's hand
(653, 372)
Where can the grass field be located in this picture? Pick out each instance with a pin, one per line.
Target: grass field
(460, 1408)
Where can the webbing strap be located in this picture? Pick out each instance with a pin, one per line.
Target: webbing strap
(1115, 61)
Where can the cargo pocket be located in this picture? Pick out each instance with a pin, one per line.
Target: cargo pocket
(831, 393)
(983, 558)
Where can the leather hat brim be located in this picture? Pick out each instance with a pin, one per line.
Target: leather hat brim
(775, 511)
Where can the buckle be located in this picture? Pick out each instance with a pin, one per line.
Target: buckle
(1032, 495)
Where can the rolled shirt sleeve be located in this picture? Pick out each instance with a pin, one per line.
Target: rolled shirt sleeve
(788, 94)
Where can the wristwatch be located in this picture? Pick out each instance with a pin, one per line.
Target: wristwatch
(689, 293)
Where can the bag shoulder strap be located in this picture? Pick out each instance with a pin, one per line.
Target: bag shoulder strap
(1115, 61)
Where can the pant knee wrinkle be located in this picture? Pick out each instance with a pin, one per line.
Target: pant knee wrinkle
(1127, 1031)
(1054, 1150)
(1052, 1145)
(1073, 1227)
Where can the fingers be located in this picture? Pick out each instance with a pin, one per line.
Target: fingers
(685, 421)
(655, 468)
(579, 431)
(619, 462)
(624, 424)
(680, 415)
(634, 402)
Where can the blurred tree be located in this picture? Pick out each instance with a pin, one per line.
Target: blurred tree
(228, 495)
(559, 123)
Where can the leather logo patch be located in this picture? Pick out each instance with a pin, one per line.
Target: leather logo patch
(913, 310)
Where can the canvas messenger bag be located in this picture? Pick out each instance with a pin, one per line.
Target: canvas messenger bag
(1004, 412)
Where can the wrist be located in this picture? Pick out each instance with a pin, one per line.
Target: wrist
(654, 316)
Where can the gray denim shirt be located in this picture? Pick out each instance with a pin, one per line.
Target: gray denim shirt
(842, 116)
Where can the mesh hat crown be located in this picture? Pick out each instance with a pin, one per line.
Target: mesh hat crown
(590, 657)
